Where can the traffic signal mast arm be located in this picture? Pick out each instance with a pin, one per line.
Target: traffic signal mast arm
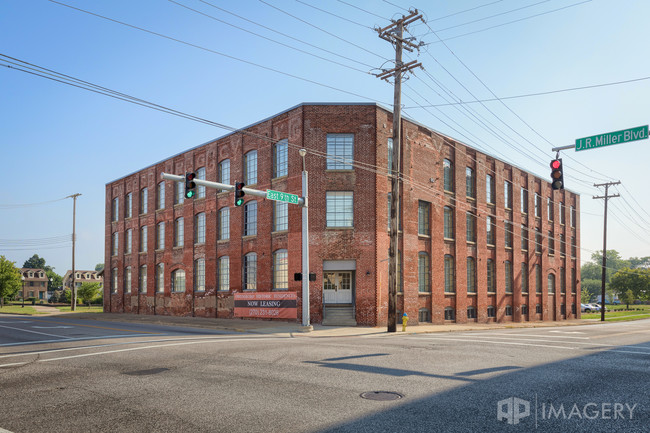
(222, 186)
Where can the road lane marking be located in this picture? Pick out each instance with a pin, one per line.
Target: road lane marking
(527, 335)
(33, 332)
(157, 346)
(52, 327)
(98, 337)
(98, 327)
(566, 342)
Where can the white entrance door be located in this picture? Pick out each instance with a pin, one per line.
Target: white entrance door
(337, 287)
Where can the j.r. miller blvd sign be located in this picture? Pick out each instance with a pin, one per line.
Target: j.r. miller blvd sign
(601, 140)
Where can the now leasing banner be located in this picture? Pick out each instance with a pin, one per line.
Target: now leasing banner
(269, 305)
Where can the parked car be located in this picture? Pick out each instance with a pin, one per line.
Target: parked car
(594, 307)
(616, 302)
(586, 308)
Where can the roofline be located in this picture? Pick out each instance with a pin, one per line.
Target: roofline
(304, 104)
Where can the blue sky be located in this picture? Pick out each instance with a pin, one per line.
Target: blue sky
(58, 140)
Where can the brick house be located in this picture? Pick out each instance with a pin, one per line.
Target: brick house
(480, 239)
(80, 278)
(34, 283)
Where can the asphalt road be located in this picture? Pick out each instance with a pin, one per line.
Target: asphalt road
(90, 376)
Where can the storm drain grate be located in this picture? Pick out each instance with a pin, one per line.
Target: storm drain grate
(146, 372)
(381, 395)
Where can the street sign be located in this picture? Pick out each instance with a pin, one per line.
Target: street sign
(282, 196)
(616, 137)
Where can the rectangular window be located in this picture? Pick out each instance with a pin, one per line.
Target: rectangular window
(507, 233)
(524, 237)
(160, 199)
(280, 166)
(489, 188)
(179, 232)
(508, 276)
(470, 223)
(549, 208)
(115, 246)
(507, 194)
(471, 275)
(128, 241)
(470, 183)
(179, 192)
(562, 246)
(524, 277)
(142, 278)
(127, 279)
(561, 210)
(538, 240)
(224, 223)
(424, 213)
(491, 276)
(250, 167)
(424, 273)
(224, 273)
(113, 281)
(551, 244)
(280, 216)
(573, 281)
(538, 206)
(572, 215)
(448, 175)
(562, 280)
(448, 223)
(160, 277)
(199, 275)
(115, 206)
(250, 272)
(199, 228)
(160, 236)
(340, 151)
(538, 279)
(224, 172)
(339, 209)
(491, 229)
(250, 218)
(128, 205)
(573, 247)
(280, 270)
(524, 200)
(144, 200)
(143, 239)
(450, 275)
(200, 174)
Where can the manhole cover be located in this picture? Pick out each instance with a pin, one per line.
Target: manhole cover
(381, 395)
(146, 372)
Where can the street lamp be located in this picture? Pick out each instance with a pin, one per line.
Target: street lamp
(22, 279)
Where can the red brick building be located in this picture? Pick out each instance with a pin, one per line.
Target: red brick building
(480, 240)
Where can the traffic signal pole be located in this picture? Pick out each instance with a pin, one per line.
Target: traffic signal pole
(604, 273)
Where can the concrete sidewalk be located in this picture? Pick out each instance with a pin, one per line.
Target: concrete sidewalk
(295, 329)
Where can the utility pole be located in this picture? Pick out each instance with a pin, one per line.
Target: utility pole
(73, 293)
(394, 34)
(602, 284)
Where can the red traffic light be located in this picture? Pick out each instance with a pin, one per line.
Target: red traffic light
(189, 176)
(555, 164)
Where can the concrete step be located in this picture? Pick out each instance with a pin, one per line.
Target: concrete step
(339, 316)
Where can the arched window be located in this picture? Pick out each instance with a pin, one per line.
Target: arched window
(160, 277)
(127, 279)
(200, 174)
(491, 311)
(178, 280)
(551, 283)
(508, 276)
(524, 310)
(199, 275)
(199, 228)
(491, 276)
(470, 183)
(424, 272)
(508, 310)
(280, 159)
(448, 168)
(471, 312)
(280, 270)
(449, 223)
(424, 315)
(250, 271)
(179, 232)
(471, 275)
(524, 277)
(450, 314)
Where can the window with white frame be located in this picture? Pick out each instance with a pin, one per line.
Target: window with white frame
(424, 215)
(160, 277)
(115, 206)
(115, 246)
(179, 232)
(561, 210)
(448, 223)
(524, 277)
(470, 183)
(128, 205)
(223, 269)
(549, 208)
(280, 216)
(223, 175)
(250, 271)
(250, 218)
(250, 168)
(551, 283)
(114, 280)
(448, 175)
(127, 279)
(470, 227)
(160, 196)
(538, 279)
(524, 200)
(160, 236)
(507, 194)
(280, 158)
(179, 192)
(143, 239)
(491, 276)
(507, 233)
(200, 174)
(491, 230)
(199, 275)
(572, 215)
(489, 189)
(339, 210)
(340, 151)
(128, 241)
(280, 270)
(142, 278)
(199, 228)
(508, 276)
(224, 223)
(178, 280)
(144, 200)
(538, 206)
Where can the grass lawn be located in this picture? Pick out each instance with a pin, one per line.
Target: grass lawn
(616, 313)
(18, 309)
(82, 309)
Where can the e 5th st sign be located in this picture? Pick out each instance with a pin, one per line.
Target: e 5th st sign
(601, 140)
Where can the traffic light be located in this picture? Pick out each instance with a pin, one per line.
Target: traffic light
(557, 175)
(190, 185)
(239, 193)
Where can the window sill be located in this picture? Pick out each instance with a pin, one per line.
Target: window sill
(280, 232)
(339, 228)
(160, 250)
(492, 246)
(472, 294)
(283, 177)
(450, 293)
(223, 241)
(508, 248)
(248, 237)
(491, 293)
(199, 244)
(449, 240)
(473, 243)
(470, 198)
(424, 293)
(420, 235)
(141, 214)
(339, 170)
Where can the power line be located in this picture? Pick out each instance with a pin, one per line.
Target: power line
(361, 9)
(25, 205)
(335, 15)
(466, 10)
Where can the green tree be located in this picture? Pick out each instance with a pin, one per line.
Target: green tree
(591, 287)
(99, 267)
(614, 263)
(10, 282)
(627, 298)
(591, 271)
(36, 262)
(637, 262)
(87, 292)
(636, 280)
(54, 280)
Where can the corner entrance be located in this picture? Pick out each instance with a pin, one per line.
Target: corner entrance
(338, 293)
(337, 287)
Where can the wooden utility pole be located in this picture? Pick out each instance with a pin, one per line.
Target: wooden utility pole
(602, 284)
(73, 292)
(394, 34)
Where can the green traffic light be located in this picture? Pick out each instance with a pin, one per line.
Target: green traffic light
(239, 202)
(189, 194)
